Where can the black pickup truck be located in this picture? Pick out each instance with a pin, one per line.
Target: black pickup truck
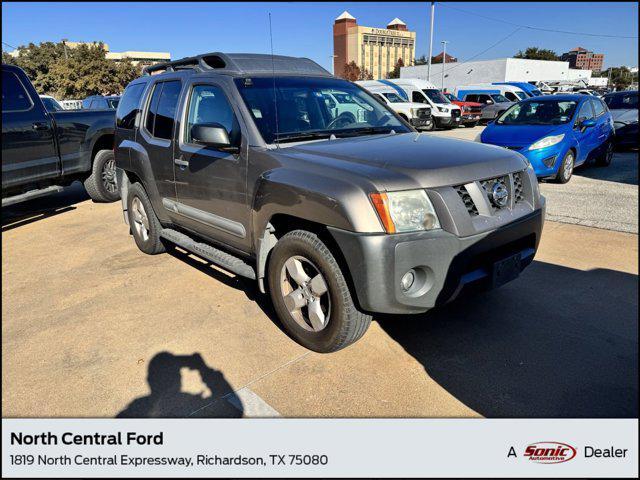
(44, 151)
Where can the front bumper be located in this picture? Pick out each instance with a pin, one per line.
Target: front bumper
(449, 121)
(421, 122)
(626, 134)
(447, 263)
(546, 161)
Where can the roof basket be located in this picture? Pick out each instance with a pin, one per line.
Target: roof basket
(206, 61)
(242, 64)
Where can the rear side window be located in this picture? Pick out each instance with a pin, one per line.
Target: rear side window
(598, 107)
(14, 95)
(162, 109)
(129, 106)
(511, 96)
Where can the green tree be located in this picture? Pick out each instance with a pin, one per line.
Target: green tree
(422, 60)
(395, 73)
(66, 72)
(620, 77)
(535, 53)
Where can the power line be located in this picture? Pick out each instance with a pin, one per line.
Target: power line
(459, 64)
(5, 43)
(529, 27)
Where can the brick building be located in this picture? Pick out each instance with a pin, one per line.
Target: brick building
(376, 50)
(583, 59)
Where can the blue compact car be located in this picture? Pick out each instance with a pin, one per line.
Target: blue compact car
(555, 133)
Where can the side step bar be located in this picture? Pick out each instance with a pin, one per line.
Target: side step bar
(31, 194)
(223, 259)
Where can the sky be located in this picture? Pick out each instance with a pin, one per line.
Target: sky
(305, 29)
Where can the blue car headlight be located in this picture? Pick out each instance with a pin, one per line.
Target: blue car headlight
(547, 142)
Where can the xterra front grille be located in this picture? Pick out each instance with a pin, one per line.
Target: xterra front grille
(466, 199)
(488, 188)
(518, 187)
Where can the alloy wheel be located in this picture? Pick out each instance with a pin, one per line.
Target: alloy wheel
(305, 293)
(109, 176)
(140, 219)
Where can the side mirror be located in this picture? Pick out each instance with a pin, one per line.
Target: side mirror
(212, 135)
(588, 123)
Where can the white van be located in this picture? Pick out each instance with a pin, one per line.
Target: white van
(511, 92)
(445, 114)
(417, 114)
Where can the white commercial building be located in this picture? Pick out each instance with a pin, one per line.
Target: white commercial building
(499, 70)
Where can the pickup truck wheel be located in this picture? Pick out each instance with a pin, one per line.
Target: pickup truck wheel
(145, 226)
(311, 296)
(101, 184)
(565, 171)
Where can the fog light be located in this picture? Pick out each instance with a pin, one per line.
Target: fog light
(407, 280)
(549, 161)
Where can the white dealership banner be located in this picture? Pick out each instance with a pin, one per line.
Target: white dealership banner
(320, 448)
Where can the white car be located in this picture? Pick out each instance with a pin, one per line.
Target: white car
(444, 113)
(417, 114)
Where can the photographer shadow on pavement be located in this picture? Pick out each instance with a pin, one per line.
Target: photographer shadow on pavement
(167, 399)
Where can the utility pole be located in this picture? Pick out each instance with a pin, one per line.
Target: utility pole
(433, 12)
(444, 59)
(333, 57)
(64, 45)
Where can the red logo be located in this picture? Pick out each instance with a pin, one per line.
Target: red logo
(550, 452)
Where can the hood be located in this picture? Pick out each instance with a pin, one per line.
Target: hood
(467, 104)
(410, 105)
(409, 160)
(516, 135)
(625, 115)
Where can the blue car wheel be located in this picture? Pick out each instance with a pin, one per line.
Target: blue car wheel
(565, 170)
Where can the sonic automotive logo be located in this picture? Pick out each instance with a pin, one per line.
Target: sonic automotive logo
(550, 452)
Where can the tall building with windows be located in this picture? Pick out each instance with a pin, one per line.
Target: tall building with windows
(583, 59)
(376, 50)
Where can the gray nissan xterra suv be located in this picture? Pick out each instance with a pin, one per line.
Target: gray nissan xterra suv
(238, 159)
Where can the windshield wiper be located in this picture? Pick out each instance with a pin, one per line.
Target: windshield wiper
(300, 136)
(364, 131)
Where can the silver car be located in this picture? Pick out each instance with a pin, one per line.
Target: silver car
(493, 104)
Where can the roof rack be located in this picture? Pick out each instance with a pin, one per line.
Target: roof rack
(242, 64)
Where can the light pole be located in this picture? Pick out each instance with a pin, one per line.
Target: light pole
(433, 12)
(444, 58)
(333, 57)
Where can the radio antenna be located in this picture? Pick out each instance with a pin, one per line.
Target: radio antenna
(273, 72)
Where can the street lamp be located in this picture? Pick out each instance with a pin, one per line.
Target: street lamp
(333, 57)
(444, 58)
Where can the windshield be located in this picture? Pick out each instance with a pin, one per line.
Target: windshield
(498, 98)
(113, 102)
(435, 96)
(308, 108)
(522, 95)
(51, 104)
(622, 101)
(547, 112)
(394, 97)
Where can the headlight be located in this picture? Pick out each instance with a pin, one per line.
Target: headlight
(441, 109)
(414, 112)
(406, 211)
(547, 142)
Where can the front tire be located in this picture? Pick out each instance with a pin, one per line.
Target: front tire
(311, 296)
(101, 184)
(565, 171)
(145, 226)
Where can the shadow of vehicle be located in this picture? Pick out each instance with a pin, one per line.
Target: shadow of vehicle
(557, 342)
(623, 169)
(167, 398)
(24, 213)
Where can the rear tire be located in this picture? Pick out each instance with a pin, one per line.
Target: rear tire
(471, 125)
(604, 159)
(101, 184)
(145, 226)
(431, 127)
(565, 170)
(297, 264)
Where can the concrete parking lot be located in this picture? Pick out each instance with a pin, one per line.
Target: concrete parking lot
(92, 327)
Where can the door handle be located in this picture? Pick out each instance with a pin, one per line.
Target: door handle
(181, 163)
(40, 126)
